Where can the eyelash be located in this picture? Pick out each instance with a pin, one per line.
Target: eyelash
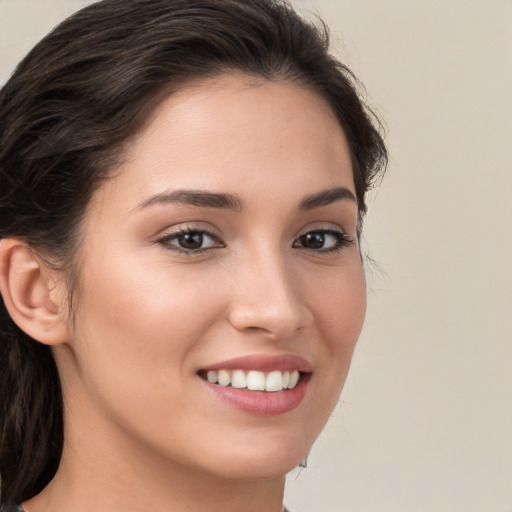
(167, 241)
(342, 240)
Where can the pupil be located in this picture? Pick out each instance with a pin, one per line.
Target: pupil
(191, 240)
(314, 240)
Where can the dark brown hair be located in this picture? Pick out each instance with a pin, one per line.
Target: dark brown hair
(64, 116)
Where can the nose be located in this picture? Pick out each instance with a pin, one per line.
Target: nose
(268, 299)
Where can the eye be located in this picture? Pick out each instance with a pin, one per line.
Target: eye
(324, 240)
(191, 241)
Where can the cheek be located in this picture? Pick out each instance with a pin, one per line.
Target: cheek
(136, 336)
(340, 306)
(137, 323)
(143, 296)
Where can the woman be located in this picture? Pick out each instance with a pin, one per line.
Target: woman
(182, 192)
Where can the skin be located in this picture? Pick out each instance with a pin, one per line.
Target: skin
(142, 431)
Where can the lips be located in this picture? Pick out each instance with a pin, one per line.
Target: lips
(264, 363)
(259, 384)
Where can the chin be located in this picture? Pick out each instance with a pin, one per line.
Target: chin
(268, 469)
(261, 462)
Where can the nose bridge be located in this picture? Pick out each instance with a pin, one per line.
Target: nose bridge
(268, 296)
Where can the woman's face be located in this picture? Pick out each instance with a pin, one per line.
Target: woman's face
(223, 248)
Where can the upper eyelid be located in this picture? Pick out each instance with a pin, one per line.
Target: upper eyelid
(172, 231)
(333, 228)
(186, 228)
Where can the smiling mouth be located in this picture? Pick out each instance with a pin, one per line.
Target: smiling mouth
(253, 380)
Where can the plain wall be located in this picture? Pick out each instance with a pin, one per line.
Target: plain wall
(425, 420)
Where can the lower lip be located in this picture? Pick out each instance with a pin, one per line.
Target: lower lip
(262, 403)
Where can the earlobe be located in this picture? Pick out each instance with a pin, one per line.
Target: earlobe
(31, 293)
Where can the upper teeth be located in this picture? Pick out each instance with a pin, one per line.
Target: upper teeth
(254, 380)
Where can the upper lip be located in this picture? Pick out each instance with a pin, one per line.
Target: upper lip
(263, 363)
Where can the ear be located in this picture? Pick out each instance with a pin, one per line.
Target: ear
(33, 293)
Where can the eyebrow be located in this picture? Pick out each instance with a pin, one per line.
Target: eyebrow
(207, 199)
(197, 198)
(326, 197)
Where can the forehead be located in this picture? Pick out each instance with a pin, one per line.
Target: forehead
(234, 130)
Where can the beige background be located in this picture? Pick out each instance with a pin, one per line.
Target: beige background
(425, 421)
